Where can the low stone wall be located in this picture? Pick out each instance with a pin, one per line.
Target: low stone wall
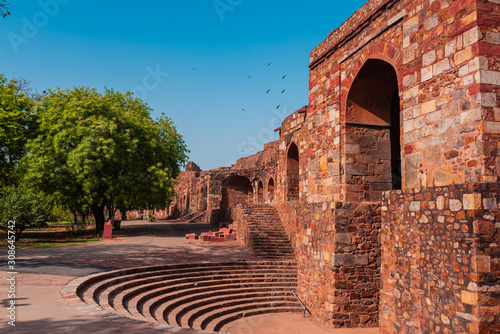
(440, 260)
(244, 236)
(338, 254)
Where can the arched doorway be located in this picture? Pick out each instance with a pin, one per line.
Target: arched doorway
(235, 190)
(270, 190)
(292, 172)
(203, 198)
(260, 193)
(373, 129)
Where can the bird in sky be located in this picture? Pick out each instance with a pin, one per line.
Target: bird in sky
(283, 77)
(242, 109)
(278, 106)
(250, 77)
(194, 69)
(269, 64)
(283, 91)
(268, 91)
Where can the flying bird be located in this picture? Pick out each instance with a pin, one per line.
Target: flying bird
(242, 109)
(283, 77)
(250, 77)
(283, 91)
(278, 106)
(194, 69)
(268, 91)
(269, 64)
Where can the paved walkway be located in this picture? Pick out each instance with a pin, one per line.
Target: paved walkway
(42, 273)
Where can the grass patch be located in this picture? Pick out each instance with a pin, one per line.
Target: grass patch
(52, 236)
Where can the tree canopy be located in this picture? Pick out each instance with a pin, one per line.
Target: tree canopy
(17, 125)
(4, 8)
(95, 150)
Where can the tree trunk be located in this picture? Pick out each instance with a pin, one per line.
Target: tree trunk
(98, 212)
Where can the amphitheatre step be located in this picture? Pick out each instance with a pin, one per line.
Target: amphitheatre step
(208, 293)
(185, 310)
(211, 314)
(136, 288)
(223, 324)
(163, 308)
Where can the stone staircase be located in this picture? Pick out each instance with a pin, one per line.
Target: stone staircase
(201, 297)
(264, 233)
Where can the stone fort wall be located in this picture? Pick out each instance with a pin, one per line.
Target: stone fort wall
(387, 181)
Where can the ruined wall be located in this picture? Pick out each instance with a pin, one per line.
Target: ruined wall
(441, 261)
(338, 254)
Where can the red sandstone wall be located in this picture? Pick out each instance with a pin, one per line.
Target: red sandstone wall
(441, 261)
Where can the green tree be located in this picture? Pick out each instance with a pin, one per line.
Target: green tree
(96, 150)
(17, 125)
(25, 207)
(4, 8)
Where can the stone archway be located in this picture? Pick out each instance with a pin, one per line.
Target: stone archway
(236, 190)
(270, 190)
(292, 173)
(373, 129)
(260, 193)
(203, 206)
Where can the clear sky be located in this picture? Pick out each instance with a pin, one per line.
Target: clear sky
(190, 59)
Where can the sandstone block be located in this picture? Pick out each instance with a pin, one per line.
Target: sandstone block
(472, 201)
(468, 297)
(481, 264)
(443, 176)
(343, 260)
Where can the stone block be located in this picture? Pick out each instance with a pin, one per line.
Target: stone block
(428, 58)
(415, 206)
(455, 205)
(481, 264)
(440, 67)
(355, 170)
(470, 298)
(343, 260)
(432, 156)
(412, 179)
(428, 107)
(343, 238)
(490, 203)
(484, 227)
(463, 56)
(351, 148)
(412, 161)
(443, 176)
(472, 201)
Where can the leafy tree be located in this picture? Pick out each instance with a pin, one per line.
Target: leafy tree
(17, 125)
(96, 150)
(25, 207)
(4, 8)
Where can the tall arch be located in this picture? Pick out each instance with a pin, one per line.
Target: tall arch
(292, 172)
(373, 126)
(203, 206)
(270, 190)
(235, 190)
(260, 193)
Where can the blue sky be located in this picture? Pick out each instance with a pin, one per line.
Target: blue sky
(151, 48)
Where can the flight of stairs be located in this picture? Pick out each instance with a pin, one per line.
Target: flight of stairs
(202, 296)
(268, 238)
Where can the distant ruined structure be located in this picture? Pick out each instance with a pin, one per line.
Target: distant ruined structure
(386, 183)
